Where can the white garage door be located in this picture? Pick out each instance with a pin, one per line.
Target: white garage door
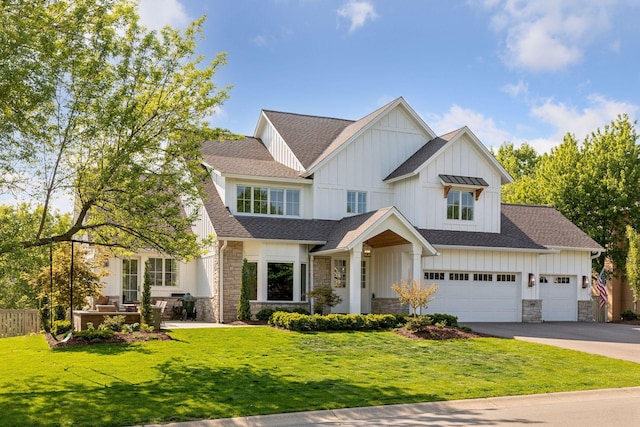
(476, 297)
(559, 295)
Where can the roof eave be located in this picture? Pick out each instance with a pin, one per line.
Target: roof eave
(268, 178)
(497, 249)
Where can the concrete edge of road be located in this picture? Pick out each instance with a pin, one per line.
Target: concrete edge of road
(408, 410)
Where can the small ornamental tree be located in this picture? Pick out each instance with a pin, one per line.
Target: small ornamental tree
(633, 265)
(415, 296)
(244, 307)
(145, 307)
(324, 297)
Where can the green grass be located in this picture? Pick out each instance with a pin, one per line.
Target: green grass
(217, 373)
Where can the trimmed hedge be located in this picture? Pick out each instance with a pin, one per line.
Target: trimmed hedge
(333, 322)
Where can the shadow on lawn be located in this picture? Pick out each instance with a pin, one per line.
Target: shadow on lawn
(182, 392)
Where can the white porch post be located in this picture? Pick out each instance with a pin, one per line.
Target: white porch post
(355, 259)
(416, 252)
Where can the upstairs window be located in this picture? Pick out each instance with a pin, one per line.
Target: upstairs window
(460, 205)
(356, 202)
(267, 201)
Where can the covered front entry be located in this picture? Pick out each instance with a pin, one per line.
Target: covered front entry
(476, 297)
(559, 298)
(367, 254)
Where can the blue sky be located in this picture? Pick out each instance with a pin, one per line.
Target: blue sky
(510, 70)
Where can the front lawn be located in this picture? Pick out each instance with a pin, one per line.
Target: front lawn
(228, 372)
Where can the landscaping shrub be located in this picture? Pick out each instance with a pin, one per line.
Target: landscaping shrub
(628, 315)
(94, 335)
(60, 327)
(265, 313)
(447, 319)
(333, 322)
(113, 323)
(300, 310)
(418, 323)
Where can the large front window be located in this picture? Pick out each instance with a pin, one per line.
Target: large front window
(267, 201)
(280, 281)
(460, 205)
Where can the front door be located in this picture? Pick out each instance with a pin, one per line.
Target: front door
(129, 280)
(365, 297)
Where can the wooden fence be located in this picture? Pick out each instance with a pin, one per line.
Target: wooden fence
(19, 322)
(599, 313)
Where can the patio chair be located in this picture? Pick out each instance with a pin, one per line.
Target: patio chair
(162, 305)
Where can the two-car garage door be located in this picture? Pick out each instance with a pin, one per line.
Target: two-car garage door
(476, 297)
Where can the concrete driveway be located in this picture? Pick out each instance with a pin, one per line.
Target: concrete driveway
(619, 341)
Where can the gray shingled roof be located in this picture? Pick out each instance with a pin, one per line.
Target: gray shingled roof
(345, 231)
(522, 227)
(464, 180)
(307, 136)
(423, 154)
(227, 225)
(246, 156)
(546, 226)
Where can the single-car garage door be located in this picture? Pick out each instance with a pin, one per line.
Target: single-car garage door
(559, 295)
(476, 297)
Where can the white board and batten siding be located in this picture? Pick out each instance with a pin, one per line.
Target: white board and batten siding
(277, 146)
(423, 200)
(364, 163)
(485, 298)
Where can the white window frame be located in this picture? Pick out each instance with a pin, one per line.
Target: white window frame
(340, 273)
(459, 204)
(165, 262)
(287, 204)
(359, 203)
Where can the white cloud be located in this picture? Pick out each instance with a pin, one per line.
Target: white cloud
(581, 123)
(260, 40)
(483, 127)
(155, 14)
(358, 12)
(548, 35)
(516, 89)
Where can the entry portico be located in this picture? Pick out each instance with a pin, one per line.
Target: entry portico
(362, 236)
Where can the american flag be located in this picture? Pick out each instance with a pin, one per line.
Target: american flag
(601, 284)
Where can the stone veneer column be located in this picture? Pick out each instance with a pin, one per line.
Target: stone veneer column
(585, 311)
(321, 273)
(232, 279)
(531, 311)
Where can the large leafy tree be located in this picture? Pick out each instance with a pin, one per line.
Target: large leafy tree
(88, 269)
(16, 223)
(109, 113)
(594, 184)
(633, 264)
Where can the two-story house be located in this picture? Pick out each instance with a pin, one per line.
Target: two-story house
(360, 205)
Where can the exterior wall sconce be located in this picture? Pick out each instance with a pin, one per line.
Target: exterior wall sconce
(532, 280)
(366, 249)
(585, 282)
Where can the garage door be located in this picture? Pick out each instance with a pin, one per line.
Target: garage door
(559, 295)
(476, 297)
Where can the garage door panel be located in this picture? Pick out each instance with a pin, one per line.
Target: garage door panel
(477, 301)
(559, 301)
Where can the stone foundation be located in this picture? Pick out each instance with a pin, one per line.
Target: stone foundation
(585, 311)
(257, 306)
(531, 311)
(232, 278)
(388, 306)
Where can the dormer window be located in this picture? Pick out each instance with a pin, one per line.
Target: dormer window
(461, 192)
(267, 201)
(460, 205)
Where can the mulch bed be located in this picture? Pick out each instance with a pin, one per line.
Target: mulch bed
(439, 333)
(117, 338)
